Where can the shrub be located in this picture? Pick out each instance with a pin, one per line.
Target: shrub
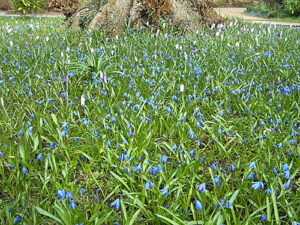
(292, 7)
(27, 6)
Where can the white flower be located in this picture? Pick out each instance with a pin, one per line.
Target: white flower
(220, 26)
(157, 32)
(82, 100)
(181, 88)
(185, 56)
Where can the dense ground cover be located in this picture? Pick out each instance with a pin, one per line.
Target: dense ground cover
(149, 128)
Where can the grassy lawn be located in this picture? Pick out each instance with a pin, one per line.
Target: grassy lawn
(149, 128)
(286, 19)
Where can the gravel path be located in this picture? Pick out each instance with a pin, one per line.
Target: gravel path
(239, 12)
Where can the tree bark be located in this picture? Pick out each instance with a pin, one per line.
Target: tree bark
(114, 15)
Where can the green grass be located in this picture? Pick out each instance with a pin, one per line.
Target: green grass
(147, 114)
(285, 19)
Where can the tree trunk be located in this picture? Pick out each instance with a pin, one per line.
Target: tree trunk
(114, 15)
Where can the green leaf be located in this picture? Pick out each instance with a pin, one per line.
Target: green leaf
(167, 219)
(275, 205)
(103, 218)
(233, 197)
(120, 179)
(45, 213)
(124, 210)
(133, 218)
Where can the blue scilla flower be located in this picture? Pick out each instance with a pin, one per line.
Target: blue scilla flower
(295, 223)
(198, 205)
(83, 191)
(294, 133)
(64, 132)
(182, 119)
(137, 168)
(287, 185)
(263, 217)
(64, 125)
(174, 148)
(192, 134)
(95, 198)
(40, 157)
(292, 141)
(148, 185)
(12, 167)
(165, 192)
(192, 153)
(69, 195)
(61, 194)
(169, 111)
(108, 144)
(231, 167)
(274, 170)
(220, 131)
(116, 203)
(202, 159)
(220, 204)
(164, 159)
(287, 174)
(72, 205)
(268, 191)
(1, 154)
(17, 220)
(21, 133)
(52, 145)
(24, 170)
(71, 74)
(258, 185)
(153, 170)
(228, 204)
(30, 129)
(201, 187)
(160, 168)
(285, 167)
(252, 165)
(217, 181)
